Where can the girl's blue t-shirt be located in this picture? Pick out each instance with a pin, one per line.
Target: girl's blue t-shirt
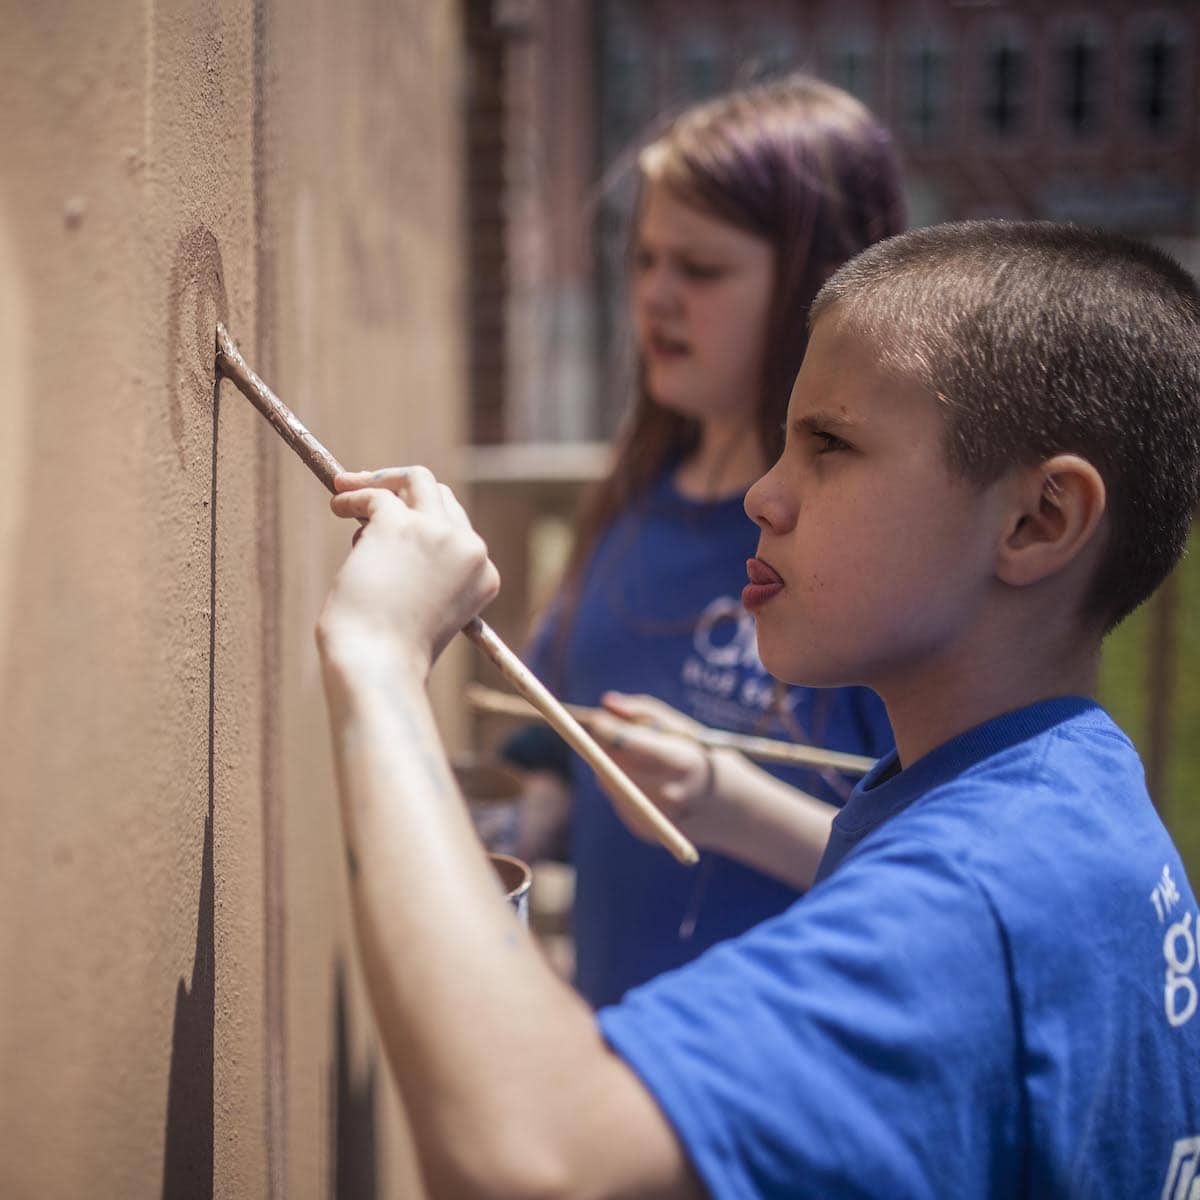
(993, 991)
(660, 613)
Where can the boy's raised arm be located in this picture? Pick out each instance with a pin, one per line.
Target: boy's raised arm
(509, 1086)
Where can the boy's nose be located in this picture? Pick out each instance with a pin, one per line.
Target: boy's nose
(767, 506)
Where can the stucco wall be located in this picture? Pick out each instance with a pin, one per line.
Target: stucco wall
(180, 1011)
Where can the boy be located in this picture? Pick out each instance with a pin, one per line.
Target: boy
(992, 457)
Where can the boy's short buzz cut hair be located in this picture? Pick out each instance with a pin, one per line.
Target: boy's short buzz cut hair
(1039, 339)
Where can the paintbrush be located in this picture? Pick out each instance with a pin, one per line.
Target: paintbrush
(618, 785)
(762, 749)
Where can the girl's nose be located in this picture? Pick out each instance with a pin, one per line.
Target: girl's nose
(657, 290)
(769, 505)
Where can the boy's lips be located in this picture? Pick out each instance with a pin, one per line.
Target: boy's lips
(765, 583)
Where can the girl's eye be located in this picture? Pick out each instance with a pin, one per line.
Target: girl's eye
(700, 271)
(643, 260)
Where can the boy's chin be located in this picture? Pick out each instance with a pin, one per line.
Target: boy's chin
(800, 671)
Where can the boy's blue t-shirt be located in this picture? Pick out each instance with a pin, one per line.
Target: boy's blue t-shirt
(992, 993)
(660, 613)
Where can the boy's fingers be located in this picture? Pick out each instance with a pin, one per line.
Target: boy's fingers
(395, 479)
(346, 481)
(363, 503)
(454, 510)
(416, 486)
(422, 490)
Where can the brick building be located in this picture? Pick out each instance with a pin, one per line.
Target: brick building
(1063, 109)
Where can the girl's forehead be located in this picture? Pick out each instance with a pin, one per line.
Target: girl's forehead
(666, 219)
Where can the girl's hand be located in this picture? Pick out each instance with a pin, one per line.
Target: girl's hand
(417, 573)
(648, 740)
(720, 799)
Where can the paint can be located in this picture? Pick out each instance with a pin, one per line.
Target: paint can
(516, 879)
(492, 792)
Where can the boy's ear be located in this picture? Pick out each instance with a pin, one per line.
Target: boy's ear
(1056, 511)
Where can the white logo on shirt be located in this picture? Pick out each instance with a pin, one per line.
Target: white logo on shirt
(737, 643)
(1182, 1183)
(1165, 895)
(728, 684)
(1180, 994)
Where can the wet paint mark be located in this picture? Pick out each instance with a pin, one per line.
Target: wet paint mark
(190, 1134)
(197, 283)
(352, 1131)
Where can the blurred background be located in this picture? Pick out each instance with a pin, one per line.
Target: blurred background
(411, 214)
(1084, 112)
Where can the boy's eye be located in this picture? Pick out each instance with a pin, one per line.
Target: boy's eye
(828, 442)
(700, 271)
(643, 260)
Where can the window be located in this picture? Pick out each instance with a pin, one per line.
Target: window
(852, 63)
(1157, 70)
(1004, 76)
(626, 71)
(925, 80)
(771, 51)
(1079, 69)
(701, 66)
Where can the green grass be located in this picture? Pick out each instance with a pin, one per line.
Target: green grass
(1124, 691)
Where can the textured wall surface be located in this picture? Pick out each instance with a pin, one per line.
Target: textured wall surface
(180, 1010)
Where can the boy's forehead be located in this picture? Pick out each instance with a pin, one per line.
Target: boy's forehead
(847, 375)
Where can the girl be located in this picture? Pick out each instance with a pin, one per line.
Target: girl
(747, 204)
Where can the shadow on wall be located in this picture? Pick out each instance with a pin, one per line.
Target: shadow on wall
(352, 1122)
(188, 1162)
(189, 1140)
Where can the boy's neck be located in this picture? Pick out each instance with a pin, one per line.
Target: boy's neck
(963, 691)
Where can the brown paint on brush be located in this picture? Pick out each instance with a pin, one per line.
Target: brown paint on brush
(616, 784)
(313, 455)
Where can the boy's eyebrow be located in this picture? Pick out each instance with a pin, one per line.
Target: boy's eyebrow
(814, 422)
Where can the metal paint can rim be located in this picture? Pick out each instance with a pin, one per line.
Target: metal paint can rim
(516, 878)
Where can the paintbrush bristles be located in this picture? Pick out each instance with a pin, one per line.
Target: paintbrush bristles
(234, 367)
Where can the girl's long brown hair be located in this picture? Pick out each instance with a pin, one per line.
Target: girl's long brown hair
(800, 164)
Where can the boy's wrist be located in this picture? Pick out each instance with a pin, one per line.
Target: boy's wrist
(353, 657)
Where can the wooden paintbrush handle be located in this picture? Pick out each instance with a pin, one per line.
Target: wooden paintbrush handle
(615, 782)
(761, 749)
(325, 467)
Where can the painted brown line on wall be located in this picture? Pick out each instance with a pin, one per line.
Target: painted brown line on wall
(196, 286)
(274, 978)
(190, 1134)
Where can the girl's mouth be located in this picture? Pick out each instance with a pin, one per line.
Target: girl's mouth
(661, 346)
(764, 584)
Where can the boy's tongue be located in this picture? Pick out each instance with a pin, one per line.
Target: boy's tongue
(762, 573)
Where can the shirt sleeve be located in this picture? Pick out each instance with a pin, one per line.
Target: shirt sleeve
(862, 1044)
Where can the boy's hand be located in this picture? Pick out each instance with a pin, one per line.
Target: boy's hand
(417, 573)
